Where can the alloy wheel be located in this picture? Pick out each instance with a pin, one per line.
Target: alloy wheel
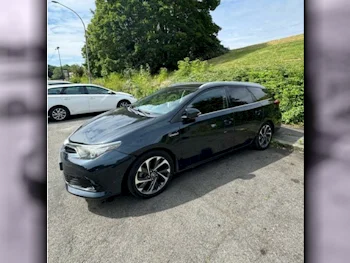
(124, 104)
(265, 136)
(152, 175)
(59, 114)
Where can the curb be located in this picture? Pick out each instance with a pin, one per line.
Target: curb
(292, 146)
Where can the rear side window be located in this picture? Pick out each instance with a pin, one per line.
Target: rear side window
(78, 90)
(239, 96)
(210, 101)
(96, 90)
(260, 94)
(54, 91)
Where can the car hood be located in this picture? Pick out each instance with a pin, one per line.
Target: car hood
(109, 127)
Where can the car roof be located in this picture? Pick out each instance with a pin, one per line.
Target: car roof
(205, 85)
(58, 81)
(72, 85)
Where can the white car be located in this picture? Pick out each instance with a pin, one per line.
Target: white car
(71, 99)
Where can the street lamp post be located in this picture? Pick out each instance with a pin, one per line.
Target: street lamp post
(86, 38)
(59, 56)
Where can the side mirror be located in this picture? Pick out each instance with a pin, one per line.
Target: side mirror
(111, 92)
(190, 114)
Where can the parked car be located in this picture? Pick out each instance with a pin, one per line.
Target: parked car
(142, 146)
(71, 99)
(57, 82)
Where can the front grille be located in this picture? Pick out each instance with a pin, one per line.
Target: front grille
(69, 149)
(78, 181)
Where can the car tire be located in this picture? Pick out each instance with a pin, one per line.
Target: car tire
(263, 138)
(141, 181)
(59, 113)
(123, 103)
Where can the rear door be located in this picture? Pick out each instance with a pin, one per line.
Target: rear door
(269, 105)
(100, 99)
(75, 99)
(247, 114)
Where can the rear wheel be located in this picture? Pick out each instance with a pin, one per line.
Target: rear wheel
(59, 113)
(264, 136)
(150, 174)
(123, 103)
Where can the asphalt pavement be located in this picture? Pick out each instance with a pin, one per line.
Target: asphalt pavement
(245, 207)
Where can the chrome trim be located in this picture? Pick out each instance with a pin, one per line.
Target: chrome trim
(173, 134)
(231, 108)
(68, 143)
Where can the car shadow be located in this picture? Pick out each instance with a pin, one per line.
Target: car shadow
(190, 185)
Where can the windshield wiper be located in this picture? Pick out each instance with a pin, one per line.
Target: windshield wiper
(140, 111)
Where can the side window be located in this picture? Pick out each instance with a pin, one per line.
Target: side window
(96, 90)
(210, 101)
(239, 96)
(77, 90)
(54, 91)
(259, 93)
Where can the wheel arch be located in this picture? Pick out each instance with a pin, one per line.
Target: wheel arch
(121, 100)
(270, 121)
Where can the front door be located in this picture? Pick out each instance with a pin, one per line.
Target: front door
(205, 137)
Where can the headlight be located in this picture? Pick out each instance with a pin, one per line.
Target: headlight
(94, 151)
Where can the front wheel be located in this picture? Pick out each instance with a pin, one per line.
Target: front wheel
(264, 137)
(123, 103)
(150, 174)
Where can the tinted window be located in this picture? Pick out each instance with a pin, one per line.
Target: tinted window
(210, 101)
(54, 91)
(259, 94)
(74, 90)
(96, 90)
(58, 83)
(239, 96)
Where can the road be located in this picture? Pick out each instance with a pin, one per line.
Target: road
(245, 207)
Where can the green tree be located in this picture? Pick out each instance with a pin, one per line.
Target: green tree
(158, 33)
(50, 69)
(78, 71)
(57, 74)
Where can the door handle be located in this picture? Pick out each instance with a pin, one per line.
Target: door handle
(213, 125)
(228, 121)
(66, 98)
(173, 134)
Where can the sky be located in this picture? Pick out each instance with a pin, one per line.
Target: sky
(242, 22)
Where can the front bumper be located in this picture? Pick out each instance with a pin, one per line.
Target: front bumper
(98, 178)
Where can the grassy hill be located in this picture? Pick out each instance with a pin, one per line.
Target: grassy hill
(286, 51)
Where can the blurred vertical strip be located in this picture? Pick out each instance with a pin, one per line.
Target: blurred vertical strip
(23, 120)
(328, 160)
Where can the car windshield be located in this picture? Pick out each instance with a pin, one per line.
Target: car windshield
(163, 101)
